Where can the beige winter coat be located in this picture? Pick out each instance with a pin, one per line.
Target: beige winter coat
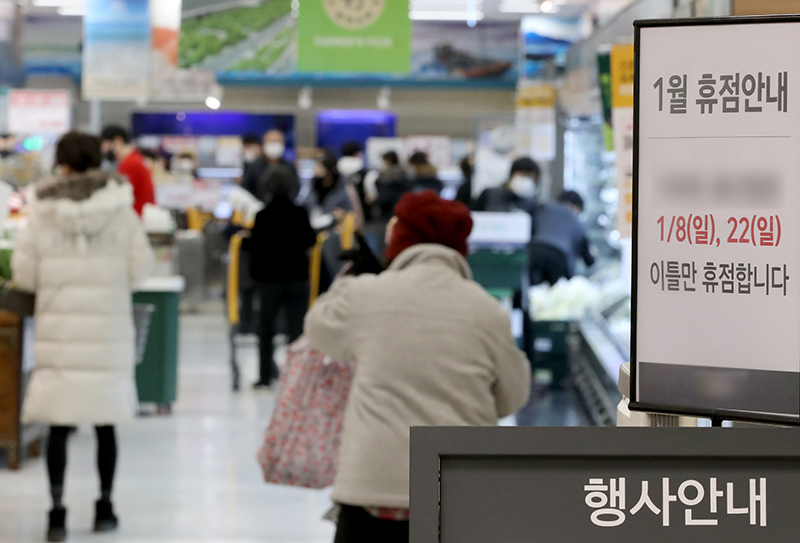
(83, 251)
(432, 348)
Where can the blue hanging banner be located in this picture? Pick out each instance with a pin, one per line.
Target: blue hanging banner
(11, 70)
(117, 52)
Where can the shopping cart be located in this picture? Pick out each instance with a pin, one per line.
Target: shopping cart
(234, 321)
(346, 231)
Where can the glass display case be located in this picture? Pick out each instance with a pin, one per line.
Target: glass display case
(590, 171)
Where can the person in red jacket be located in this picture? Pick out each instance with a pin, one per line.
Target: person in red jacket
(130, 163)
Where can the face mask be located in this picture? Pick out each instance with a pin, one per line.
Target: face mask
(110, 156)
(523, 186)
(251, 156)
(186, 165)
(274, 150)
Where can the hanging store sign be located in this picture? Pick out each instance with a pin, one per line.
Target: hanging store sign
(604, 82)
(165, 16)
(117, 50)
(716, 228)
(37, 112)
(12, 71)
(622, 125)
(536, 122)
(344, 36)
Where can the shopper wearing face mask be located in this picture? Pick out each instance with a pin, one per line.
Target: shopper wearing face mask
(255, 178)
(252, 150)
(558, 237)
(116, 144)
(517, 194)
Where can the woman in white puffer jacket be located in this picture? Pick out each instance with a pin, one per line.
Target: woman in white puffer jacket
(82, 253)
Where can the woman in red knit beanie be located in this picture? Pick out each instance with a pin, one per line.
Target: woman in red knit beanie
(431, 348)
(424, 217)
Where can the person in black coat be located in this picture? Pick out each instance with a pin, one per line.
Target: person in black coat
(279, 244)
(425, 175)
(254, 179)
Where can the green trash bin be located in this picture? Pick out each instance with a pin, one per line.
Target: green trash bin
(551, 350)
(500, 270)
(502, 273)
(157, 375)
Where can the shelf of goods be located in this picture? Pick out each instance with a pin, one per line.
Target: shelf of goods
(16, 364)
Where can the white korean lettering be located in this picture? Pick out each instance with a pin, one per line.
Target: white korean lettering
(758, 498)
(666, 499)
(715, 495)
(731, 509)
(691, 502)
(645, 500)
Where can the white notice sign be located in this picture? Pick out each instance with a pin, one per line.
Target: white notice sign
(39, 111)
(717, 322)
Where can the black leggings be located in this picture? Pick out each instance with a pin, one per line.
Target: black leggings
(355, 525)
(57, 459)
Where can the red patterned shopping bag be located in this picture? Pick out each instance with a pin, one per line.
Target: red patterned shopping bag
(301, 445)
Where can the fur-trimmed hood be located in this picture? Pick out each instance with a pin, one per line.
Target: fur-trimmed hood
(83, 203)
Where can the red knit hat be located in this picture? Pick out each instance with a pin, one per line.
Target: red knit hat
(424, 217)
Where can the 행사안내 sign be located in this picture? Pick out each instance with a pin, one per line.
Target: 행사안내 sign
(717, 269)
(345, 36)
(603, 485)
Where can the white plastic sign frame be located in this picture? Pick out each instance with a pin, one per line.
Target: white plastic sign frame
(716, 129)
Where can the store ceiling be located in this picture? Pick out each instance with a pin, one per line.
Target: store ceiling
(489, 10)
(459, 10)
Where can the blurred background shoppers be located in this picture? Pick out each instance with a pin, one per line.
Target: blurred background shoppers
(116, 144)
(516, 194)
(384, 188)
(424, 174)
(255, 176)
(390, 186)
(82, 253)
(333, 193)
(278, 249)
(252, 151)
(464, 194)
(431, 348)
(558, 237)
(351, 166)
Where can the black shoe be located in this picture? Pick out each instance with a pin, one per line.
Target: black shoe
(104, 519)
(57, 527)
(262, 384)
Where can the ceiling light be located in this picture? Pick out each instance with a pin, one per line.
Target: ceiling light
(58, 3)
(213, 102)
(530, 6)
(439, 4)
(441, 15)
(71, 11)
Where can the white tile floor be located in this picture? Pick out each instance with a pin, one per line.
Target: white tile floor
(188, 478)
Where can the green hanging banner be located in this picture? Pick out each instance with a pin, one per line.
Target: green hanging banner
(604, 80)
(372, 36)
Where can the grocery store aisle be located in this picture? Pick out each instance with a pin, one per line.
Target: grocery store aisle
(191, 477)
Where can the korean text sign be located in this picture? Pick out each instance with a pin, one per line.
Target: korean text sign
(39, 111)
(603, 485)
(717, 184)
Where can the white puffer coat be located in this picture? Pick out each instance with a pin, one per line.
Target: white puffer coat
(82, 253)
